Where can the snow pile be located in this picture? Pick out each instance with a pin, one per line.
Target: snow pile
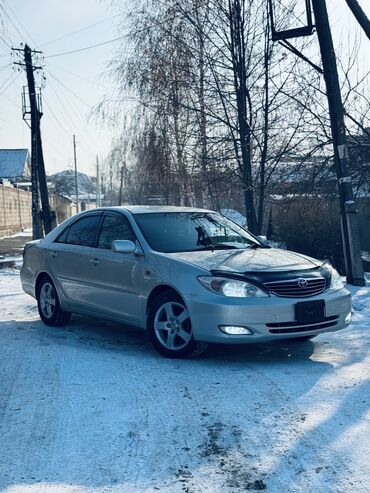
(361, 304)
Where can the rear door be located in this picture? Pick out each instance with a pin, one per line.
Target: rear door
(118, 277)
(71, 261)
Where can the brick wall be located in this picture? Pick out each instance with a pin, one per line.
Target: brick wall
(16, 209)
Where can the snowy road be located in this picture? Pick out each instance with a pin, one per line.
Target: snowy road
(90, 408)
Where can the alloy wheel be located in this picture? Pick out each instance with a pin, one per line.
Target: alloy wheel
(172, 325)
(47, 299)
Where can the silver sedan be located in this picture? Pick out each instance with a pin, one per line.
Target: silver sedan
(188, 276)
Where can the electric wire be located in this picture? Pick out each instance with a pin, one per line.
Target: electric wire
(4, 67)
(69, 90)
(8, 9)
(64, 108)
(14, 78)
(6, 81)
(85, 48)
(79, 30)
(83, 144)
(5, 42)
(94, 82)
(69, 114)
(54, 115)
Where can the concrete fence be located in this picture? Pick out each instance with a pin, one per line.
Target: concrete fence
(16, 209)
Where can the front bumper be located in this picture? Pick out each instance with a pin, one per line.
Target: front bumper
(269, 319)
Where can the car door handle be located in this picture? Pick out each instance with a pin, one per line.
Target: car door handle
(94, 261)
(53, 254)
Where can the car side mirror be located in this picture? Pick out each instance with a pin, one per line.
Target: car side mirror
(123, 246)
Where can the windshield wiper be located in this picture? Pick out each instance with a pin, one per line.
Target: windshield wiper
(217, 246)
(254, 246)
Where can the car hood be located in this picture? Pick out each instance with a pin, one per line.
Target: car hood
(241, 261)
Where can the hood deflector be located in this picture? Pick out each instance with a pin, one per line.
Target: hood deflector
(259, 278)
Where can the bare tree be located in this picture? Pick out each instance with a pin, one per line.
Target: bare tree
(220, 110)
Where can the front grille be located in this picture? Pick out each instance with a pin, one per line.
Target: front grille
(293, 327)
(297, 288)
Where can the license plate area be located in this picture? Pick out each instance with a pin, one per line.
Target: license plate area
(310, 311)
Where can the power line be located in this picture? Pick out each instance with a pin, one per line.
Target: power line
(94, 82)
(68, 114)
(113, 119)
(13, 78)
(6, 43)
(4, 67)
(19, 22)
(85, 48)
(10, 76)
(62, 105)
(68, 89)
(49, 139)
(54, 116)
(81, 127)
(80, 30)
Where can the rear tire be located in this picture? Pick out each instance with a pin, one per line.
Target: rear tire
(48, 304)
(169, 328)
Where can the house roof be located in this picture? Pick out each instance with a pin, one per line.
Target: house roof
(14, 163)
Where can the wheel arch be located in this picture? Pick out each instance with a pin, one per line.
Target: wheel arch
(41, 275)
(162, 288)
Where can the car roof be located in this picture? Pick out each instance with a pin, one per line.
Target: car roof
(149, 209)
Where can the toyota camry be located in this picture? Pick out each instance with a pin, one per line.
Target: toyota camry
(187, 276)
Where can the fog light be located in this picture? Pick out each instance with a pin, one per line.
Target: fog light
(235, 330)
(348, 318)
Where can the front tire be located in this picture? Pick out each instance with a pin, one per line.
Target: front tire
(48, 304)
(169, 328)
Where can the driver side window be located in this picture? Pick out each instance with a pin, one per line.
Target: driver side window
(114, 227)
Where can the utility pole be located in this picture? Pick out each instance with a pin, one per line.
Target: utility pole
(33, 112)
(36, 219)
(360, 15)
(97, 183)
(76, 180)
(350, 230)
(37, 156)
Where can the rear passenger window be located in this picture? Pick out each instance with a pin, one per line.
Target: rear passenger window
(83, 231)
(114, 227)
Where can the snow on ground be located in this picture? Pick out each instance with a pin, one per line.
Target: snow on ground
(90, 408)
(25, 232)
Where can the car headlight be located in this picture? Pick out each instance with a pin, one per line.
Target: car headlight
(336, 281)
(231, 287)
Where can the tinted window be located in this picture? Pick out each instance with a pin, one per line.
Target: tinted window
(83, 231)
(63, 236)
(114, 227)
(184, 232)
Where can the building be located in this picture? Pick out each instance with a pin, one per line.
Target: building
(15, 165)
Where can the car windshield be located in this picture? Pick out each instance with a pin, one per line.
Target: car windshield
(193, 231)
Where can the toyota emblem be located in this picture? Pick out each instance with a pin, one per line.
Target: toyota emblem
(302, 283)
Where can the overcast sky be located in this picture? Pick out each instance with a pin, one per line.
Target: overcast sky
(41, 23)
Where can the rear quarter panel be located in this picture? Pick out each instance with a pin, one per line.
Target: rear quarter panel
(33, 263)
